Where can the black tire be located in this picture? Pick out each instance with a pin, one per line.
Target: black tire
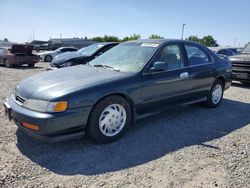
(93, 129)
(210, 103)
(7, 64)
(48, 58)
(31, 65)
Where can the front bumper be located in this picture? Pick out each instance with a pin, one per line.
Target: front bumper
(241, 76)
(52, 126)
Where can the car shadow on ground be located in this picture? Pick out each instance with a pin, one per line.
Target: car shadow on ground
(238, 84)
(148, 140)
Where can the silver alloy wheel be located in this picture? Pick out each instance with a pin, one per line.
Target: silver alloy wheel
(217, 94)
(48, 58)
(112, 120)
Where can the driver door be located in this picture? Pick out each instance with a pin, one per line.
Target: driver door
(170, 86)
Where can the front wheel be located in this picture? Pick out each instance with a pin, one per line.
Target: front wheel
(215, 95)
(7, 63)
(109, 119)
(48, 58)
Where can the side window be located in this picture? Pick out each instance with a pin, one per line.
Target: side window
(106, 48)
(196, 56)
(1, 50)
(64, 50)
(71, 50)
(171, 55)
(228, 52)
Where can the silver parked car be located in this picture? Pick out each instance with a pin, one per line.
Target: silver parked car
(49, 55)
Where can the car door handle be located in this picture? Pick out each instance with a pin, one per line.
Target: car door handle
(184, 75)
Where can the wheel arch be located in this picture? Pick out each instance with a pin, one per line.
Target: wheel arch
(222, 79)
(126, 97)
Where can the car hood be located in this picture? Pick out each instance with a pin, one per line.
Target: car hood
(241, 57)
(19, 48)
(65, 57)
(57, 83)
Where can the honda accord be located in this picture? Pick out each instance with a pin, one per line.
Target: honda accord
(106, 96)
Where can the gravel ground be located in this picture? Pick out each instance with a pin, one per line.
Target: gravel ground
(188, 147)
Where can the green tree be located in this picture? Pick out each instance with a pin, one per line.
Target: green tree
(132, 37)
(155, 36)
(206, 40)
(209, 41)
(106, 38)
(194, 38)
(97, 39)
(5, 40)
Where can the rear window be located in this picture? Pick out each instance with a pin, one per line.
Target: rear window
(196, 56)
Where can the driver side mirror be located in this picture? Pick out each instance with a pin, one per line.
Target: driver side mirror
(159, 66)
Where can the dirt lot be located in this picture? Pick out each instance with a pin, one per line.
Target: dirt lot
(187, 147)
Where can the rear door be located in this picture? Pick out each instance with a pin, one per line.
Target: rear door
(169, 86)
(201, 67)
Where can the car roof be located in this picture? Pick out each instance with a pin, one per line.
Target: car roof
(162, 41)
(107, 43)
(216, 49)
(67, 47)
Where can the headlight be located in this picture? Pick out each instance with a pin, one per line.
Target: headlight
(45, 106)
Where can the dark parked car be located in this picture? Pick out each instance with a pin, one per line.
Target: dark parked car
(107, 95)
(18, 54)
(241, 65)
(225, 52)
(82, 56)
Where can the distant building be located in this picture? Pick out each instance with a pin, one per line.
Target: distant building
(4, 43)
(73, 42)
(38, 42)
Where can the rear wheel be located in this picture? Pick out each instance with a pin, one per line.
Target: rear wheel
(7, 63)
(215, 94)
(109, 119)
(48, 58)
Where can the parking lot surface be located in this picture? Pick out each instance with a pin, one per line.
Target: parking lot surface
(186, 147)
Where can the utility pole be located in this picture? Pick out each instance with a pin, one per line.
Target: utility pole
(182, 33)
(33, 36)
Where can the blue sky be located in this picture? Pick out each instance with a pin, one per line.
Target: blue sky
(228, 21)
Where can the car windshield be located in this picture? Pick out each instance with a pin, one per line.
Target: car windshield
(126, 57)
(90, 50)
(246, 50)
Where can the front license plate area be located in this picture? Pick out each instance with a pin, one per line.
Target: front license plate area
(7, 110)
(242, 75)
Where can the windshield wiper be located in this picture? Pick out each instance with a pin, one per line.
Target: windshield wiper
(106, 66)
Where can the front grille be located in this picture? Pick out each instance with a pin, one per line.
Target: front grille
(20, 99)
(243, 66)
